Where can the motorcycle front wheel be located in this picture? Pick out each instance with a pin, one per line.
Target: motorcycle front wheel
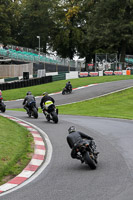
(63, 91)
(90, 161)
(70, 91)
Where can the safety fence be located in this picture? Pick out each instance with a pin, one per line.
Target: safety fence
(25, 83)
(16, 82)
(55, 77)
(106, 73)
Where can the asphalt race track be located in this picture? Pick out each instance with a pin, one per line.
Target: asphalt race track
(66, 178)
(81, 94)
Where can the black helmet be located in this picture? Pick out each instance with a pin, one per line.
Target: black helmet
(68, 81)
(71, 129)
(29, 93)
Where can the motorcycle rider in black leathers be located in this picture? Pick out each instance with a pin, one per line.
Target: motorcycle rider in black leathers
(29, 97)
(68, 85)
(45, 98)
(74, 138)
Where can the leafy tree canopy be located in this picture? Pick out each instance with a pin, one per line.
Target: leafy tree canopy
(70, 27)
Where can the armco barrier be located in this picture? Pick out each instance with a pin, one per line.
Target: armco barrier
(25, 83)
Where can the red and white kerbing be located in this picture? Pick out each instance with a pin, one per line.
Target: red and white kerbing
(34, 164)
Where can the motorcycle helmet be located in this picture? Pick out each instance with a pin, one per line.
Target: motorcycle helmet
(29, 93)
(71, 129)
(45, 93)
(68, 81)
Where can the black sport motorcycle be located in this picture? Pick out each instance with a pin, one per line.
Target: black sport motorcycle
(2, 105)
(87, 150)
(51, 113)
(67, 90)
(33, 110)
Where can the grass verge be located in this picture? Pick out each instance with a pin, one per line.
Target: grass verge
(16, 149)
(57, 86)
(116, 105)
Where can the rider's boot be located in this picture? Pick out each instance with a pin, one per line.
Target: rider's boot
(80, 158)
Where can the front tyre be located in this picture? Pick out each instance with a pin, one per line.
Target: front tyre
(35, 113)
(89, 160)
(63, 91)
(70, 91)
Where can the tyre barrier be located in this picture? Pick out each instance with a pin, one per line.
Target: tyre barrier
(25, 83)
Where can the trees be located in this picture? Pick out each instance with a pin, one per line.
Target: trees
(15, 19)
(9, 21)
(70, 27)
(35, 21)
(5, 23)
(112, 26)
(67, 32)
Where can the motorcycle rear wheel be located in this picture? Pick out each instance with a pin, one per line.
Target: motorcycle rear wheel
(55, 117)
(3, 108)
(35, 113)
(90, 161)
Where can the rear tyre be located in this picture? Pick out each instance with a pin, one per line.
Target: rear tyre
(3, 108)
(55, 117)
(35, 113)
(90, 161)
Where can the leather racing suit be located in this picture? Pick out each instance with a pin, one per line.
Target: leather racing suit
(74, 139)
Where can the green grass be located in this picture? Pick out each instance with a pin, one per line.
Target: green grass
(117, 105)
(16, 148)
(57, 86)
